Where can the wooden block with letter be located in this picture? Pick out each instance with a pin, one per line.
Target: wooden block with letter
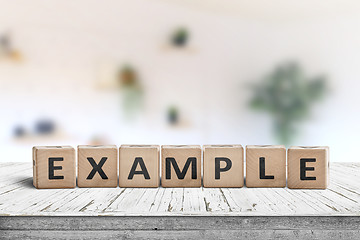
(308, 167)
(265, 166)
(223, 166)
(97, 166)
(181, 166)
(139, 166)
(54, 167)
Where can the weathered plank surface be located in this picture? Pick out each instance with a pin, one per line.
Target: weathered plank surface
(18, 197)
(179, 213)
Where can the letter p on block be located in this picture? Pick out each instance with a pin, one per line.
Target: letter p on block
(223, 166)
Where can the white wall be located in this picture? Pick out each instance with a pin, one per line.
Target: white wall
(65, 42)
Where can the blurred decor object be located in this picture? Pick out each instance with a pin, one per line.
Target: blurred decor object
(44, 126)
(173, 115)
(7, 51)
(99, 140)
(128, 76)
(107, 74)
(131, 90)
(180, 37)
(45, 131)
(287, 95)
(19, 131)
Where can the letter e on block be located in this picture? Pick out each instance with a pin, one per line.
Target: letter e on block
(97, 166)
(223, 166)
(139, 166)
(54, 167)
(308, 167)
(181, 166)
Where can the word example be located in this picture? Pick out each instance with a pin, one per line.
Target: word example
(181, 166)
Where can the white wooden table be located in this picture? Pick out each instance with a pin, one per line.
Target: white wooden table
(179, 212)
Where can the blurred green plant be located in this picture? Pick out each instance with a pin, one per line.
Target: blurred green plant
(288, 96)
(131, 89)
(173, 115)
(180, 37)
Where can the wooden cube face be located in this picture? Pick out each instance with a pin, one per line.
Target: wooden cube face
(97, 166)
(223, 166)
(181, 166)
(265, 166)
(139, 166)
(54, 167)
(308, 167)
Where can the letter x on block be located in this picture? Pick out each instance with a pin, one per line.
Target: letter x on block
(97, 166)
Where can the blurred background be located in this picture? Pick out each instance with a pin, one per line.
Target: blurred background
(179, 72)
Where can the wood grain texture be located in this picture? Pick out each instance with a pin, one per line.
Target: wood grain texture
(54, 167)
(181, 154)
(274, 162)
(150, 157)
(97, 154)
(319, 169)
(231, 175)
(186, 234)
(181, 227)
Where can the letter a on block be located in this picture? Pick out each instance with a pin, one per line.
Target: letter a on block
(97, 166)
(181, 166)
(308, 167)
(139, 161)
(54, 167)
(139, 166)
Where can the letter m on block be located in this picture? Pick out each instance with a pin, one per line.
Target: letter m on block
(181, 174)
